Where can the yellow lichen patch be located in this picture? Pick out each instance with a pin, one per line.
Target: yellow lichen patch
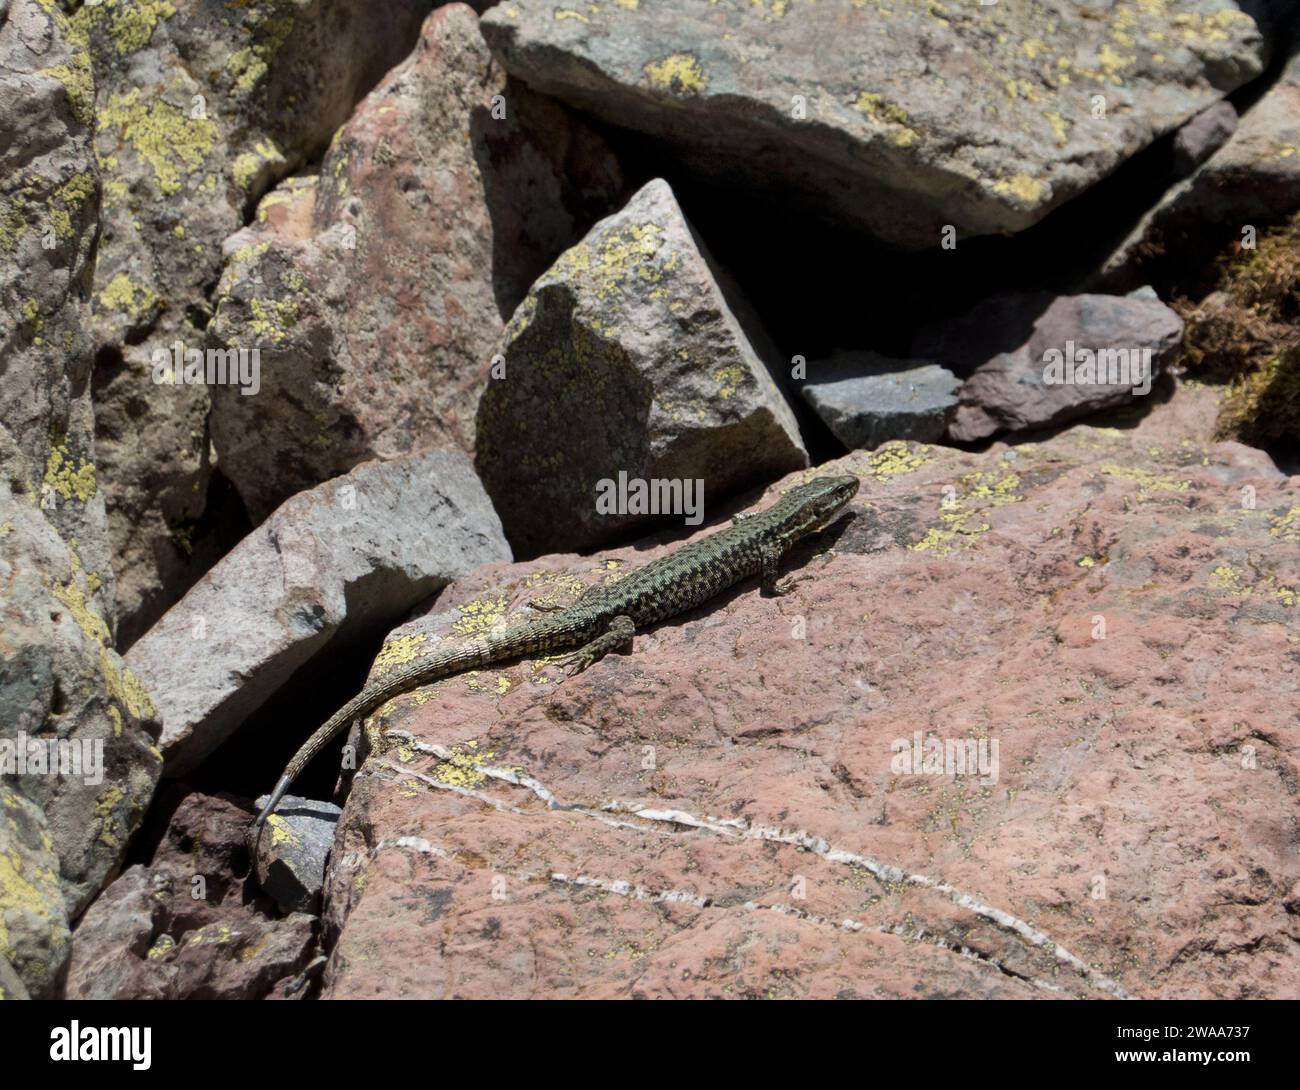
(123, 294)
(894, 458)
(978, 492)
(247, 166)
(558, 587)
(132, 22)
(729, 379)
(479, 617)
(66, 475)
(885, 113)
(1059, 127)
(1087, 562)
(1022, 187)
(561, 14)
(32, 892)
(73, 597)
(1148, 482)
(500, 685)
(462, 768)
(105, 811)
(124, 687)
(1230, 580)
(281, 833)
(615, 260)
(679, 73)
(162, 946)
(1286, 527)
(78, 84)
(272, 319)
(165, 137)
(399, 652)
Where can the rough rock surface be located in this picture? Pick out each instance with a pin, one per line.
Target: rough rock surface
(722, 812)
(1205, 134)
(62, 683)
(898, 115)
(33, 915)
(631, 354)
(292, 849)
(867, 399)
(49, 204)
(1004, 345)
(191, 925)
(331, 562)
(199, 108)
(377, 289)
(1253, 177)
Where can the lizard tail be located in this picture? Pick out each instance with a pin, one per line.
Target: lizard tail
(361, 704)
(366, 701)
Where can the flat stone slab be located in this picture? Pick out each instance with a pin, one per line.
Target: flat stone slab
(341, 557)
(897, 116)
(867, 399)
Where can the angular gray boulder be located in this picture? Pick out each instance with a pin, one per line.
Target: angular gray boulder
(77, 728)
(900, 118)
(292, 850)
(630, 355)
(867, 399)
(350, 554)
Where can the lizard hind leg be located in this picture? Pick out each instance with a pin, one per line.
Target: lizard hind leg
(619, 634)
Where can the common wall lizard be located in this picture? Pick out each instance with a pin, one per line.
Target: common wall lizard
(607, 616)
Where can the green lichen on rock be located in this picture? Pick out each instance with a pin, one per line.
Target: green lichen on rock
(67, 475)
(164, 136)
(129, 23)
(122, 293)
(78, 83)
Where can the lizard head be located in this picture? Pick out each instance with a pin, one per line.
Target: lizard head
(813, 505)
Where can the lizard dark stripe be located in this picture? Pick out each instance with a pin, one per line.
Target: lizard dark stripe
(606, 616)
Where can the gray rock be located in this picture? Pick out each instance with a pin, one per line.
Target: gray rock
(63, 686)
(630, 355)
(1252, 179)
(49, 213)
(1201, 137)
(292, 851)
(376, 291)
(899, 118)
(867, 399)
(350, 554)
(11, 984)
(1040, 375)
(33, 918)
(200, 108)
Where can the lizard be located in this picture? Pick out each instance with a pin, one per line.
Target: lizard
(606, 616)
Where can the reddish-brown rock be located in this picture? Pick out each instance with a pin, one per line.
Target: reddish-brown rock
(376, 291)
(721, 813)
(190, 925)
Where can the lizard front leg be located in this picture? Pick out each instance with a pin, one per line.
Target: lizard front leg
(619, 634)
(770, 583)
